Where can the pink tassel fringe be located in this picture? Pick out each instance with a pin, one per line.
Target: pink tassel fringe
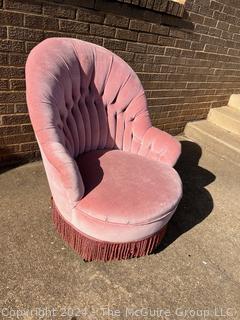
(90, 249)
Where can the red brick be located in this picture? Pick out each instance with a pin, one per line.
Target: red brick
(155, 49)
(186, 54)
(210, 48)
(160, 6)
(136, 47)
(17, 33)
(140, 25)
(199, 28)
(152, 85)
(183, 44)
(15, 119)
(166, 41)
(94, 39)
(193, 36)
(216, 6)
(137, 67)
(162, 60)
(222, 50)
(6, 108)
(220, 16)
(197, 46)
(143, 3)
(17, 84)
(160, 29)
(59, 11)
(206, 11)
(202, 70)
(21, 108)
(168, 69)
(39, 22)
(90, 15)
(196, 18)
(117, 21)
(7, 152)
(126, 34)
(127, 56)
(229, 10)
(210, 22)
(234, 28)
(29, 45)
(3, 32)
(148, 38)
(11, 18)
(26, 128)
(226, 35)
(11, 97)
(231, 44)
(177, 33)
(10, 72)
(17, 59)
(26, 6)
(236, 37)
(51, 34)
(175, 9)
(215, 32)
(166, 101)
(18, 157)
(222, 25)
(150, 4)
(145, 58)
(15, 139)
(3, 59)
(32, 146)
(149, 67)
(89, 4)
(114, 44)
(233, 52)
(9, 130)
(74, 26)
(103, 31)
(3, 86)
(152, 76)
(173, 52)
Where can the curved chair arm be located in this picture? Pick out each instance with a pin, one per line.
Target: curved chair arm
(66, 167)
(159, 145)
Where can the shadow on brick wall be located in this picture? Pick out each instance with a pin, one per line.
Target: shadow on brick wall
(135, 11)
(197, 202)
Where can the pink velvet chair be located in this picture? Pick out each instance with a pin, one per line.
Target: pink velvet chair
(110, 171)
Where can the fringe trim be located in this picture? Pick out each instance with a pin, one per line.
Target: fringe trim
(92, 249)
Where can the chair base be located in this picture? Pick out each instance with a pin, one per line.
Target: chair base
(92, 249)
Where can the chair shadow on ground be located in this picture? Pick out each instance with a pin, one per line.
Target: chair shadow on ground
(196, 203)
(13, 160)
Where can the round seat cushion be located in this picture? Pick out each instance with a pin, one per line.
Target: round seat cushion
(125, 189)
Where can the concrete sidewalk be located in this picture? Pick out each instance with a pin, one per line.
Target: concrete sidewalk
(195, 274)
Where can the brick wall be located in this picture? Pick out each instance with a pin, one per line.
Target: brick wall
(187, 65)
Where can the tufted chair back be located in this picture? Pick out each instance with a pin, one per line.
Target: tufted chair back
(84, 97)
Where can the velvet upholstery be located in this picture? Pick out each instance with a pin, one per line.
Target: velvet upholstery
(109, 170)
